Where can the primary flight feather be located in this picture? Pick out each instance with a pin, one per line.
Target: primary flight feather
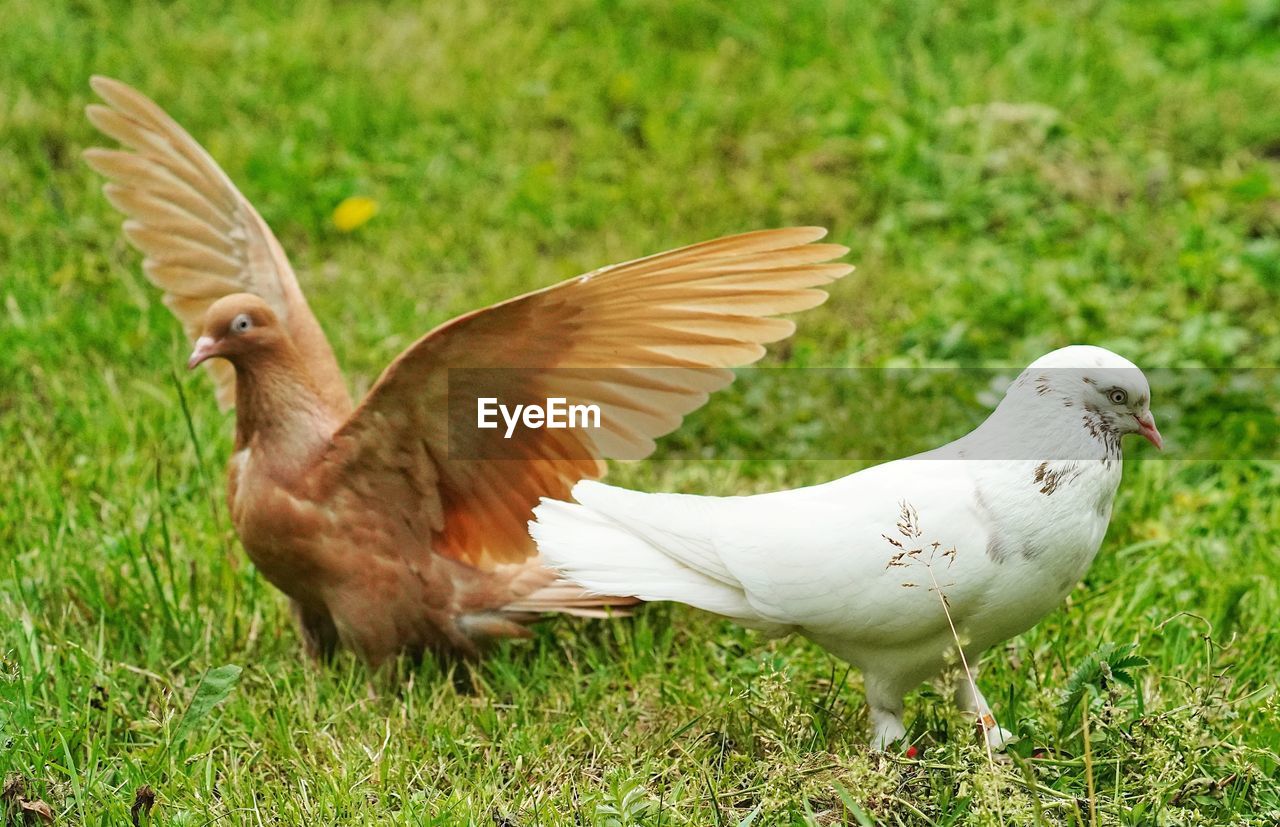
(380, 522)
(889, 567)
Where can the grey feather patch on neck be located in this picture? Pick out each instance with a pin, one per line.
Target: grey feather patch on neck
(998, 546)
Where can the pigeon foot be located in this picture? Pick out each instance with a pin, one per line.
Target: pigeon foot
(998, 738)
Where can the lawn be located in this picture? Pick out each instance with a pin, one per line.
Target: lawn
(1010, 177)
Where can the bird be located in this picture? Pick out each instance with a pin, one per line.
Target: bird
(396, 527)
(895, 567)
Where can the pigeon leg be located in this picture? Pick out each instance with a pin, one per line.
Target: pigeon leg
(969, 698)
(886, 716)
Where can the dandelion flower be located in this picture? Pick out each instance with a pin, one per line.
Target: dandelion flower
(354, 212)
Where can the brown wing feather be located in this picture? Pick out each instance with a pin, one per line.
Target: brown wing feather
(200, 238)
(647, 340)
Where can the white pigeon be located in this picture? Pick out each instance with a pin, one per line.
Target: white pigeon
(889, 567)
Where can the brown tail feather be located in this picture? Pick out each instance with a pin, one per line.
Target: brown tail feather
(569, 598)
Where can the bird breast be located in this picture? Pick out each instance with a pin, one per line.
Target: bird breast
(282, 533)
(1040, 539)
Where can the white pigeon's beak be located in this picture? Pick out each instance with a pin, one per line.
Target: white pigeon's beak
(206, 347)
(1147, 427)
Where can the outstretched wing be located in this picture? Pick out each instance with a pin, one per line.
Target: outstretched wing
(646, 341)
(200, 238)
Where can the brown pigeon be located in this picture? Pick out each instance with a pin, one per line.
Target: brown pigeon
(386, 525)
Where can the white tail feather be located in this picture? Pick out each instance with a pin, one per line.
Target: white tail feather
(609, 556)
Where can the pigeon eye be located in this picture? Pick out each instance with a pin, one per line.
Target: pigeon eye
(241, 323)
(1117, 396)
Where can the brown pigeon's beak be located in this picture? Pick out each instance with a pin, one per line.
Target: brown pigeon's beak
(206, 346)
(1147, 427)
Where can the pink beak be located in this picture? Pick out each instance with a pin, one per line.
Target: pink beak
(206, 347)
(1147, 427)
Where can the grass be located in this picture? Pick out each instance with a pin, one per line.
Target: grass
(1010, 176)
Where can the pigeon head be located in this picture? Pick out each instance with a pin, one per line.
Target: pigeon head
(1108, 393)
(236, 328)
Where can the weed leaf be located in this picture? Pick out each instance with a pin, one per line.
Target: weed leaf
(1112, 662)
(214, 688)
